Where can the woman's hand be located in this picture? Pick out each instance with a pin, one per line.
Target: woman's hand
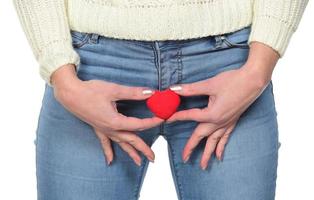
(230, 94)
(93, 101)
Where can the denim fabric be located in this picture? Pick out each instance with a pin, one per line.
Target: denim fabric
(69, 159)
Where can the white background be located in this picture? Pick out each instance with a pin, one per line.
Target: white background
(21, 91)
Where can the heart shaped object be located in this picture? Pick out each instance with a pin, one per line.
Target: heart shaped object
(163, 103)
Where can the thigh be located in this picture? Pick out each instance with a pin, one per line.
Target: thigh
(249, 167)
(70, 163)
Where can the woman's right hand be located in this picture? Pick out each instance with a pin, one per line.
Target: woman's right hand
(93, 101)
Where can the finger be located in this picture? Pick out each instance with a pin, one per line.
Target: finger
(202, 130)
(106, 146)
(192, 89)
(223, 141)
(114, 104)
(141, 146)
(131, 152)
(123, 122)
(210, 146)
(196, 114)
(137, 143)
(123, 92)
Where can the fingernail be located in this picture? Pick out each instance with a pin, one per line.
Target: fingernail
(175, 88)
(147, 91)
(218, 156)
(108, 162)
(204, 167)
(186, 159)
(138, 162)
(151, 159)
(221, 155)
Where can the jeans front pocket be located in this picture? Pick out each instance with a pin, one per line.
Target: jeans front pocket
(79, 39)
(236, 39)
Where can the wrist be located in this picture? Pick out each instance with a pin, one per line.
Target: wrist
(256, 75)
(260, 64)
(262, 56)
(64, 76)
(64, 80)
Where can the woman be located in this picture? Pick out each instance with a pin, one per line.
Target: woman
(102, 59)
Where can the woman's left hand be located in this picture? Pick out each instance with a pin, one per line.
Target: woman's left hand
(230, 94)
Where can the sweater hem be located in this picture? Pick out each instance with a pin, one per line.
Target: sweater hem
(278, 35)
(55, 56)
(170, 22)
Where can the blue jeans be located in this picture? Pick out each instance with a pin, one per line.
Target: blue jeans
(70, 163)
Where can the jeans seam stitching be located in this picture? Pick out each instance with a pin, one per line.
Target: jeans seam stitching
(179, 60)
(157, 66)
(136, 192)
(176, 172)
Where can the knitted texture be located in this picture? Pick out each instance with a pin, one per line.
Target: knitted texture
(47, 23)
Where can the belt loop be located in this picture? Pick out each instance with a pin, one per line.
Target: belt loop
(94, 38)
(218, 39)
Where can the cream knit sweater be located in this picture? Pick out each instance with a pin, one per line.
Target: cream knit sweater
(47, 23)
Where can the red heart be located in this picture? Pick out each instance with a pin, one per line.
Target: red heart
(163, 103)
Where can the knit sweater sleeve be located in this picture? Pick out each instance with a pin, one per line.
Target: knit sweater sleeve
(275, 21)
(46, 27)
